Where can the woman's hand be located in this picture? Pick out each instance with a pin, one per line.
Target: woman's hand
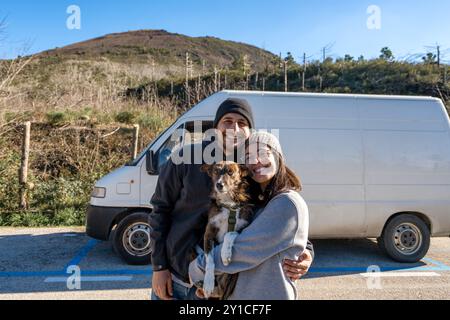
(296, 269)
(162, 284)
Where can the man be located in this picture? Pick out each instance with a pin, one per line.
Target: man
(180, 211)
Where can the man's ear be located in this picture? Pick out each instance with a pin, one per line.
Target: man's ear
(206, 168)
(244, 170)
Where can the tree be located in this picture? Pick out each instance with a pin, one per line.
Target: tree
(242, 64)
(289, 58)
(386, 54)
(348, 58)
(430, 58)
(9, 70)
(328, 60)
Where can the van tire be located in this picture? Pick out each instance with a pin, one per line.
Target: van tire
(381, 246)
(132, 239)
(405, 238)
(112, 236)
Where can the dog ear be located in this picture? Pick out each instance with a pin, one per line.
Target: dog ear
(244, 170)
(206, 168)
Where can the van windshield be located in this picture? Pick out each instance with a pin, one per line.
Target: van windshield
(168, 147)
(134, 162)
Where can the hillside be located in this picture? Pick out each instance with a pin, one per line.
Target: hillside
(164, 52)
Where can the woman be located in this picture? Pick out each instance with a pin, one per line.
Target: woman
(279, 230)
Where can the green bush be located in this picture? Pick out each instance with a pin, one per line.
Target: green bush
(152, 122)
(57, 117)
(126, 117)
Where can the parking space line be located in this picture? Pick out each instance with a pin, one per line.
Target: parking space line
(438, 263)
(38, 274)
(435, 267)
(90, 279)
(118, 272)
(27, 274)
(382, 269)
(432, 265)
(399, 274)
(83, 253)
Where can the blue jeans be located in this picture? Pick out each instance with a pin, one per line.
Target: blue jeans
(180, 292)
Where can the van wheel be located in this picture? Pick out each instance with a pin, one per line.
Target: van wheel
(405, 238)
(112, 236)
(132, 239)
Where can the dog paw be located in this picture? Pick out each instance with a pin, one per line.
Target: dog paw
(208, 283)
(227, 247)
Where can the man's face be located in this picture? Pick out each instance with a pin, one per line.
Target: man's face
(234, 128)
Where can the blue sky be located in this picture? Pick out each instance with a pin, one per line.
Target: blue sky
(298, 26)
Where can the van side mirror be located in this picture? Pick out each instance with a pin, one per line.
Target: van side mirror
(151, 163)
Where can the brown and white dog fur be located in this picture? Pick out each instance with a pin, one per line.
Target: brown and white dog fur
(229, 193)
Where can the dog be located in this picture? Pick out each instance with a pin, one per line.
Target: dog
(229, 213)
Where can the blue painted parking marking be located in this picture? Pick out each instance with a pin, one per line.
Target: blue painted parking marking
(38, 274)
(432, 265)
(438, 266)
(83, 253)
(435, 262)
(28, 274)
(382, 269)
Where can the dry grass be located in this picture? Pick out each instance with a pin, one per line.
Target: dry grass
(75, 109)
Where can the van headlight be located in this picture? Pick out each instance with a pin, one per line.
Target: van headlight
(98, 192)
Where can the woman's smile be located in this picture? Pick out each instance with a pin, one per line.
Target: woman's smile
(261, 170)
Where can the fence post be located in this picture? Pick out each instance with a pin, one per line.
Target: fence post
(23, 172)
(135, 141)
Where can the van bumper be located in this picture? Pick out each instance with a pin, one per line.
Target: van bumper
(99, 221)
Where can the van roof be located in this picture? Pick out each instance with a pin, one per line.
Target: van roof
(328, 95)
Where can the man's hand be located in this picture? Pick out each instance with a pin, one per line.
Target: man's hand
(296, 269)
(162, 284)
(200, 293)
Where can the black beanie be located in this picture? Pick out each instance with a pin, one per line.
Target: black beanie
(235, 105)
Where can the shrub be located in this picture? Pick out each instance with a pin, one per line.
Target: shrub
(126, 117)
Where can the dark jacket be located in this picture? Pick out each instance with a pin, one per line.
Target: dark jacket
(179, 217)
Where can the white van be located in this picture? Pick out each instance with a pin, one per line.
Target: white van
(370, 166)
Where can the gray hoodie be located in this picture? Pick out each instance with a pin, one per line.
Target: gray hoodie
(279, 231)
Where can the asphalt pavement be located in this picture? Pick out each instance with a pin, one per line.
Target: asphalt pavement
(41, 264)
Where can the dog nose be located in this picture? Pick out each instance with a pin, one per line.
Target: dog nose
(219, 186)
